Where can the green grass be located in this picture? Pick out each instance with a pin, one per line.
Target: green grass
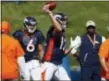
(78, 13)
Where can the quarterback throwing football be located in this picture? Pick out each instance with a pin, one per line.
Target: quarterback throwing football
(56, 48)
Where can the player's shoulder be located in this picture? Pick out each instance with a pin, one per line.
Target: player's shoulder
(38, 32)
(18, 33)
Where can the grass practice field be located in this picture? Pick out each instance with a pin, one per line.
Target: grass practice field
(78, 13)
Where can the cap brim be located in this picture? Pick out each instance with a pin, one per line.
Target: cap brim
(91, 26)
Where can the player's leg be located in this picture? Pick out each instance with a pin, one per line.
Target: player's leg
(96, 73)
(36, 70)
(27, 71)
(86, 73)
(47, 72)
(61, 74)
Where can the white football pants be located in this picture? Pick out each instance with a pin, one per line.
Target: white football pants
(57, 72)
(32, 70)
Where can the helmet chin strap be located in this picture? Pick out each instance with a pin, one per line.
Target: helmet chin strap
(31, 31)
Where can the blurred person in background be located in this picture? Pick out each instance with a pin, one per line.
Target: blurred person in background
(104, 58)
(12, 55)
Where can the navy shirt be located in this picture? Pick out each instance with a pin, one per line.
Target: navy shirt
(58, 48)
(29, 43)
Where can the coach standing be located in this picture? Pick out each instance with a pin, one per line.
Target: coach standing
(12, 55)
(89, 45)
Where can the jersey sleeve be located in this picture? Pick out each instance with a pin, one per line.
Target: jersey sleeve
(18, 35)
(40, 38)
(19, 50)
(104, 49)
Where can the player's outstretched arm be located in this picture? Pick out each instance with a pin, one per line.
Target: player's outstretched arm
(54, 22)
(67, 51)
(74, 45)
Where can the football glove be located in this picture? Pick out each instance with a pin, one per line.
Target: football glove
(75, 44)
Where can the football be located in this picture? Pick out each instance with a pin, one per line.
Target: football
(52, 5)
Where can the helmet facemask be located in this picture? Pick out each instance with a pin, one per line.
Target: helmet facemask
(31, 29)
(63, 24)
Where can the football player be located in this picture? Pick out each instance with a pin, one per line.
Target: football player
(31, 40)
(55, 50)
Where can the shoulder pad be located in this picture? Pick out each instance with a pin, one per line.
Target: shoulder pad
(38, 32)
(18, 33)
